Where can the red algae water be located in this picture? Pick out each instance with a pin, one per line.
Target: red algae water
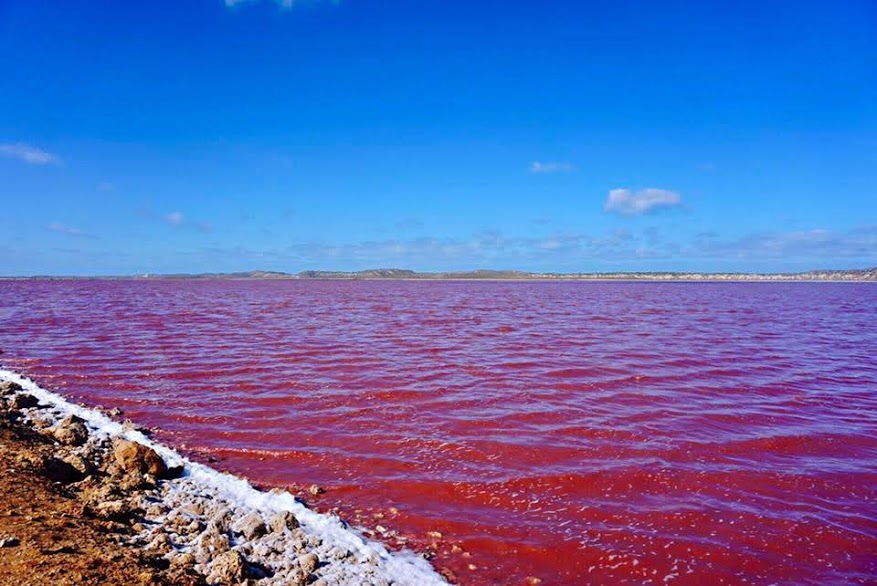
(574, 432)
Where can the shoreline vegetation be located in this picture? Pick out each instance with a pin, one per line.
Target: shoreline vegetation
(830, 275)
(88, 499)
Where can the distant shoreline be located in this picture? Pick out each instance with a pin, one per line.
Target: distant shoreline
(834, 276)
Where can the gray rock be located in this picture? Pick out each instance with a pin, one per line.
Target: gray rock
(213, 539)
(308, 562)
(58, 470)
(296, 577)
(222, 517)
(24, 401)
(193, 528)
(250, 526)
(282, 521)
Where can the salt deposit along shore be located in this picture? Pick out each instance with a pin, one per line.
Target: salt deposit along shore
(165, 519)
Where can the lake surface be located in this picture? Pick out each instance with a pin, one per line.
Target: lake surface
(578, 432)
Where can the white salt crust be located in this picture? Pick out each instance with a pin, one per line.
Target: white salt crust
(351, 558)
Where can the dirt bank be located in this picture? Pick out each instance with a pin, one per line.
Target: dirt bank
(49, 537)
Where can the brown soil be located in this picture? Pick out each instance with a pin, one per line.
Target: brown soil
(48, 538)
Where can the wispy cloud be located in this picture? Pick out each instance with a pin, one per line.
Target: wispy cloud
(285, 4)
(175, 218)
(178, 220)
(28, 154)
(567, 252)
(644, 201)
(860, 243)
(547, 167)
(60, 228)
(409, 225)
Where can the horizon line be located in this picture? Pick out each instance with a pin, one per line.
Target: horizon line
(864, 274)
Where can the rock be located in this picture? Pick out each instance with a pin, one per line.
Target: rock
(308, 562)
(315, 490)
(250, 525)
(296, 577)
(193, 528)
(222, 517)
(8, 387)
(227, 568)
(42, 424)
(185, 559)
(116, 510)
(193, 508)
(58, 470)
(80, 464)
(161, 544)
(155, 510)
(213, 539)
(129, 425)
(24, 401)
(137, 458)
(283, 520)
(101, 493)
(9, 542)
(71, 431)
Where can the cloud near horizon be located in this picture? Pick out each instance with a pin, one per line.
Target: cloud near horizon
(284, 4)
(547, 167)
(616, 250)
(28, 154)
(644, 201)
(572, 252)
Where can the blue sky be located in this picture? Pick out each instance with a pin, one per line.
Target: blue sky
(211, 135)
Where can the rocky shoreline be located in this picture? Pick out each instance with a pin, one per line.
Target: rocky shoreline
(197, 526)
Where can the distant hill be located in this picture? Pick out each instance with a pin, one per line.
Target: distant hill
(367, 274)
(511, 275)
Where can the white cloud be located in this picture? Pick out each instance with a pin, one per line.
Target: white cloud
(551, 167)
(644, 201)
(175, 218)
(178, 220)
(28, 154)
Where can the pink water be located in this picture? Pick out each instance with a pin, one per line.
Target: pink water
(575, 432)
